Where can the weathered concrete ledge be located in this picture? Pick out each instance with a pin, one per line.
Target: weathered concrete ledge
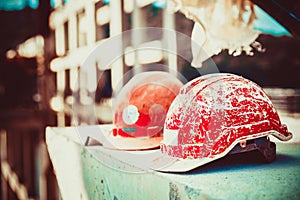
(236, 177)
(82, 175)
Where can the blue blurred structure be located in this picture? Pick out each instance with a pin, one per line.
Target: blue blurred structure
(53, 3)
(264, 22)
(160, 3)
(284, 12)
(106, 1)
(9, 5)
(267, 24)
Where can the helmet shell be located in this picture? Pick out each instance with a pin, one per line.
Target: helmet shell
(143, 102)
(214, 112)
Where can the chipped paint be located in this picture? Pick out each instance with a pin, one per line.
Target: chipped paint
(221, 109)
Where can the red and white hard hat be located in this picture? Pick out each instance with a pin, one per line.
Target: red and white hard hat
(214, 115)
(140, 109)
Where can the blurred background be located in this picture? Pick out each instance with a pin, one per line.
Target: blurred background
(43, 43)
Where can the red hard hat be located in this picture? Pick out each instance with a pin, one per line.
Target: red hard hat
(212, 115)
(141, 108)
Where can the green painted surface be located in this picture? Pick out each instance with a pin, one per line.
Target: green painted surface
(243, 176)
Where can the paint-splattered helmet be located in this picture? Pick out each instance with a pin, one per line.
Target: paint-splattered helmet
(217, 114)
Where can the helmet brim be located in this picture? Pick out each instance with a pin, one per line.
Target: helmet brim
(106, 139)
(148, 159)
(165, 163)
